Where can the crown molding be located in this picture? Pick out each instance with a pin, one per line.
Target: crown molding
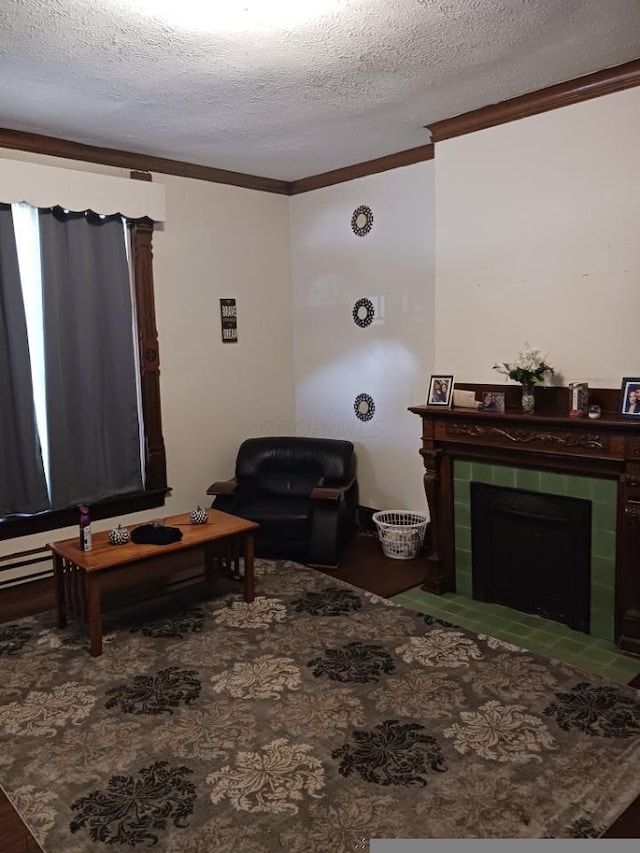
(50, 145)
(144, 164)
(594, 85)
(561, 95)
(361, 170)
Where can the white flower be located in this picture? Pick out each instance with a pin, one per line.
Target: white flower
(529, 368)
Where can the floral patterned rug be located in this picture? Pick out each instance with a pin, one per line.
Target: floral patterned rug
(313, 719)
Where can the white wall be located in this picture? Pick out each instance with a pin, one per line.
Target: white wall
(391, 360)
(218, 241)
(538, 240)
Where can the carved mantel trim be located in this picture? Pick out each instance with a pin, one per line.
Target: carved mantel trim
(609, 447)
(580, 441)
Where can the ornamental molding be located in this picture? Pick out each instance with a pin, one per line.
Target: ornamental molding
(632, 511)
(431, 461)
(570, 440)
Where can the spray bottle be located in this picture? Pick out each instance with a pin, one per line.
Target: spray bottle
(85, 528)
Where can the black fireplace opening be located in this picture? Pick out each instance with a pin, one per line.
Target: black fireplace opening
(532, 551)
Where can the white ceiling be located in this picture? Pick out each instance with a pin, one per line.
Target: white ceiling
(357, 81)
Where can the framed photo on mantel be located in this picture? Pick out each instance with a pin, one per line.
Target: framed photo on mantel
(631, 397)
(492, 401)
(579, 399)
(440, 390)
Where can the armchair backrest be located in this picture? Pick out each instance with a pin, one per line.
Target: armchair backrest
(294, 465)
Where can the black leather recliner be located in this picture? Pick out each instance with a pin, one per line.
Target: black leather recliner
(303, 492)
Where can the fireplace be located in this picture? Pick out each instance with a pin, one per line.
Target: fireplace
(532, 551)
(548, 452)
(599, 493)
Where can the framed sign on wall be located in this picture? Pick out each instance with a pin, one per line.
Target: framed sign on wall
(229, 321)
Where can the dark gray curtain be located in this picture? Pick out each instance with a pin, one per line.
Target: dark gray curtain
(23, 489)
(92, 412)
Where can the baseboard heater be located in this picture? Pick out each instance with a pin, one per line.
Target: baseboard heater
(25, 567)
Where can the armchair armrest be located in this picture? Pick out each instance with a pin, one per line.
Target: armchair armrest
(329, 493)
(223, 487)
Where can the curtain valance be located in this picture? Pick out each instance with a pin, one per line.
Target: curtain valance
(49, 186)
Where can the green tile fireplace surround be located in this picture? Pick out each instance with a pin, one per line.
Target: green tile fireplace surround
(601, 492)
(552, 454)
(542, 636)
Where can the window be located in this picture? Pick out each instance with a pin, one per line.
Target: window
(92, 407)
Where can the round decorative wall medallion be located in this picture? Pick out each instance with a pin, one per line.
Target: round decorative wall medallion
(363, 313)
(362, 220)
(364, 407)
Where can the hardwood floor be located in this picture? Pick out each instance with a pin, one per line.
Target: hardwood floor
(14, 835)
(363, 565)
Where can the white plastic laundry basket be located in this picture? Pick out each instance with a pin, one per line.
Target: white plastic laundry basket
(401, 532)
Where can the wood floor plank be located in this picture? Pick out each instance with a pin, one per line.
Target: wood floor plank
(14, 835)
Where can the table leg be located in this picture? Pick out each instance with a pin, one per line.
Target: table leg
(249, 582)
(95, 615)
(210, 566)
(58, 575)
(232, 560)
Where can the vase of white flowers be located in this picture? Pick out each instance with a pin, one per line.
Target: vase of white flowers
(528, 400)
(529, 369)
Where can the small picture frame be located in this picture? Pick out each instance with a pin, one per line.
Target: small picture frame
(492, 401)
(579, 401)
(440, 390)
(630, 397)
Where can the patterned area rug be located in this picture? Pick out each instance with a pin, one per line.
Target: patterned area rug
(314, 719)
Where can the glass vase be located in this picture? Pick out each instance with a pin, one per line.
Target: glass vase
(528, 400)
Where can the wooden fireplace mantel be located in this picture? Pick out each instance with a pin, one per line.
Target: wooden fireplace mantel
(607, 447)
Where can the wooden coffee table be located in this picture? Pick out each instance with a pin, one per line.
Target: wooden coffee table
(81, 576)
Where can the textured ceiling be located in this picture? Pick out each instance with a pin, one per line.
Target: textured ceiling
(356, 82)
